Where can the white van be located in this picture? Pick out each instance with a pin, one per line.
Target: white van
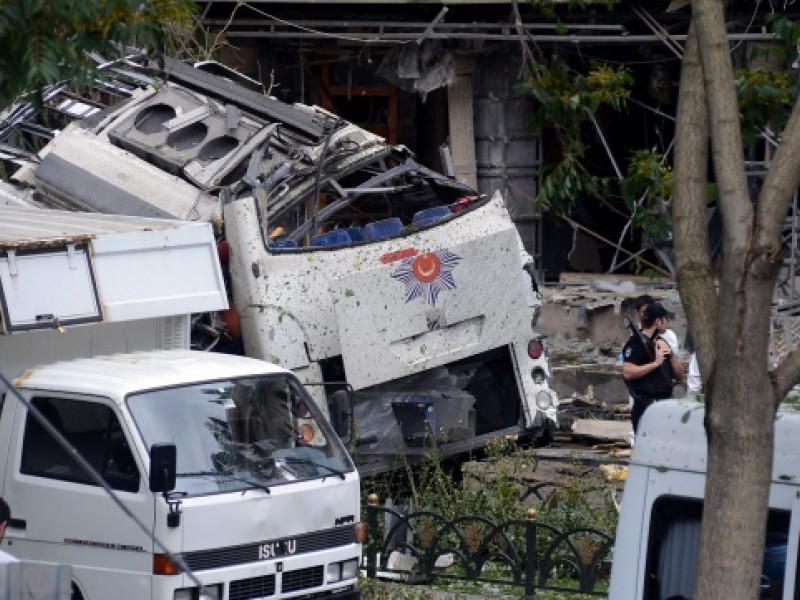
(225, 459)
(658, 535)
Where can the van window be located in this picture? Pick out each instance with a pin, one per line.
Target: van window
(675, 542)
(93, 429)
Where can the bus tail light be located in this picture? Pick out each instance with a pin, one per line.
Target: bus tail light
(535, 349)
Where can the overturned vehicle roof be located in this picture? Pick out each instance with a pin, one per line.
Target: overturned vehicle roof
(179, 141)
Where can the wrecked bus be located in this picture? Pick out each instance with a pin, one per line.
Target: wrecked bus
(404, 300)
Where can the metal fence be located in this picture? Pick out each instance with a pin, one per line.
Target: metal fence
(421, 546)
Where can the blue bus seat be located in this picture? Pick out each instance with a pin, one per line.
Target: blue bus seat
(337, 237)
(429, 216)
(379, 230)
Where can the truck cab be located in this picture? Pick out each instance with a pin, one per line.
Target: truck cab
(658, 534)
(266, 499)
(224, 459)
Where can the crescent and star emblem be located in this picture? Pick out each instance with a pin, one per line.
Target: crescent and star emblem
(427, 275)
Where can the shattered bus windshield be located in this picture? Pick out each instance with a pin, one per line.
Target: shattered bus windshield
(240, 434)
(365, 195)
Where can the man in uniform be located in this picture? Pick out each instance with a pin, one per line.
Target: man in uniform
(648, 365)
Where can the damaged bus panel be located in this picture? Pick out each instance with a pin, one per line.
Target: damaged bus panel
(403, 299)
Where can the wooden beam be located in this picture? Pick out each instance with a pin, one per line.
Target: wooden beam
(462, 131)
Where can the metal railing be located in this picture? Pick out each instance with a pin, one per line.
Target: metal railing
(520, 553)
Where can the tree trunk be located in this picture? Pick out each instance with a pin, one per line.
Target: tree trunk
(731, 325)
(740, 420)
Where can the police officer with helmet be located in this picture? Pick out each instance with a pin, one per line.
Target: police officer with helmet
(649, 366)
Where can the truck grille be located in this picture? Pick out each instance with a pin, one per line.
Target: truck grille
(302, 579)
(256, 587)
(248, 553)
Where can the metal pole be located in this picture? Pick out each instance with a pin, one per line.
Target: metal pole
(394, 38)
(373, 535)
(530, 555)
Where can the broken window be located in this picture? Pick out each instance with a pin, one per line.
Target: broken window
(93, 429)
(675, 543)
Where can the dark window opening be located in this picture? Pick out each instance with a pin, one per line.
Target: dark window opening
(93, 429)
(675, 541)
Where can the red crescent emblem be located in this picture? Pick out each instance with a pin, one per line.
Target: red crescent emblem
(427, 267)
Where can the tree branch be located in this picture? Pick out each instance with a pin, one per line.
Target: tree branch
(692, 257)
(779, 185)
(786, 375)
(709, 20)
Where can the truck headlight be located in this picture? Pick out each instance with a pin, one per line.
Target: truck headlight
(544, 400)
(349, 569)
(334, 572)
(340, 571)
(209, 592)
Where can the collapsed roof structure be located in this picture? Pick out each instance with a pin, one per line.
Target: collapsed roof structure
(196, 142)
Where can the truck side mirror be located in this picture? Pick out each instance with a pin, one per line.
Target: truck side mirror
(163, 467)
(340, 409)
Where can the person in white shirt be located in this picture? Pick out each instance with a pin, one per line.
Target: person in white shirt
(5, 517)
(694, 382)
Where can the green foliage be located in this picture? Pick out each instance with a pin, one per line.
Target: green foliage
(644, 190)
(495, 488)
(566, 181)
(765, 100)
(44, 42)
(567, 100)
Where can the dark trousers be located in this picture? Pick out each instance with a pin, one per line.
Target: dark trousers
(640, 404)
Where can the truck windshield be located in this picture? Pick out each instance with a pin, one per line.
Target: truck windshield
(239, 434)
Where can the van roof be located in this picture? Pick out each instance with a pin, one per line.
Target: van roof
(671, 436)
(117, 375)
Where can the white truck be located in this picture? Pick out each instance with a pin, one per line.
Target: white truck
(403, 300)
(658, 535)
(224, 459)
